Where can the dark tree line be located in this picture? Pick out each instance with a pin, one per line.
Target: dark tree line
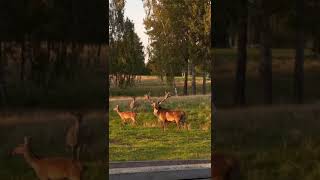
(43, 42)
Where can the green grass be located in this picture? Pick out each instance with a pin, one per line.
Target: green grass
(47, 130)
(280, 142)
(147, 141)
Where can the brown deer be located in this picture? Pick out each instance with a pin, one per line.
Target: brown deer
(126, 116)
(165, 115)
(78, 135)
(224, 167)
(50, 167)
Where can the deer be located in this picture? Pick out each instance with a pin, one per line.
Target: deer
(78, 135)
(165, 115)
(224, 167)
(126, 116)
(133, 104)
(49, 167)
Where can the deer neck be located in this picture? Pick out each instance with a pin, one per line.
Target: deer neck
(118, 111)
(31, 159)
(155, 111)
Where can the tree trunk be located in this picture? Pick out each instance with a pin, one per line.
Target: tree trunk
(193, 83)
(98, 55)
(240, 84)
(3, 90)
(266, 59)
(185, 86)
(23, 60)
(299, 58)
(204, 79)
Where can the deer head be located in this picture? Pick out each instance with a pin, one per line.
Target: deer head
(22, 148)
(155, 104)
(116, 108)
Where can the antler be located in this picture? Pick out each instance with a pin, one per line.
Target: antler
(166, 96)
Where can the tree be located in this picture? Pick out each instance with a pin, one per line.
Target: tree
(240, 84)
(126, 56)
(179, 33)
(299, 58)
(265, 51)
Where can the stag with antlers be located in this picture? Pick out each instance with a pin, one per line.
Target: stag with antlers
(165, 115)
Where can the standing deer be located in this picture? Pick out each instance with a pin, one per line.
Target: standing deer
(224, 167)
(78, 136)
(133, 104)
(165, 115)
(125, 116)
(50, 167)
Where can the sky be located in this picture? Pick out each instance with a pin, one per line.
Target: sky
(135, 12)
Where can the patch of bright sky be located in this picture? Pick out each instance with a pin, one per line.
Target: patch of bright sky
(135, 12)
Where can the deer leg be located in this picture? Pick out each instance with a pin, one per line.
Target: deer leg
(163, 125)
(122, 123)
(178, 124)
(72, 151)
(78, 153)
(133, 121)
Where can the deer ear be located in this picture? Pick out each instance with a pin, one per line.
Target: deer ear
(26, 140)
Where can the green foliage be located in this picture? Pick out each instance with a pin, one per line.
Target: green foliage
(126, 56)
(179, 32)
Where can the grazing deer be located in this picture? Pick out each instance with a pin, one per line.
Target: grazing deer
(78, 136)
(133, 104)
(125, 116)
(165, 115)
(50, 168)
(224, 167)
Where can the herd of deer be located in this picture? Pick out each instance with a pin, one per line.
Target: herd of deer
(164, 115)
(77, 138)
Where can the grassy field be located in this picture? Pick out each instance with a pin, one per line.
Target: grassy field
(280, 142)
(154, 85)
(272, 142)
(147, 141)
(282, 65)
(47, 129)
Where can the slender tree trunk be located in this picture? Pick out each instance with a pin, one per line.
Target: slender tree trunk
(23, 60)
(185, 86)
(240, 84)
(266, 59)
(299, 58)
(204, 79)
(193, 83)
(98, 55)
(49, 69)
(3, 90)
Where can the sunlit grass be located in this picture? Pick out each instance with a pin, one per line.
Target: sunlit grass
(147, 141)
(280, 142)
